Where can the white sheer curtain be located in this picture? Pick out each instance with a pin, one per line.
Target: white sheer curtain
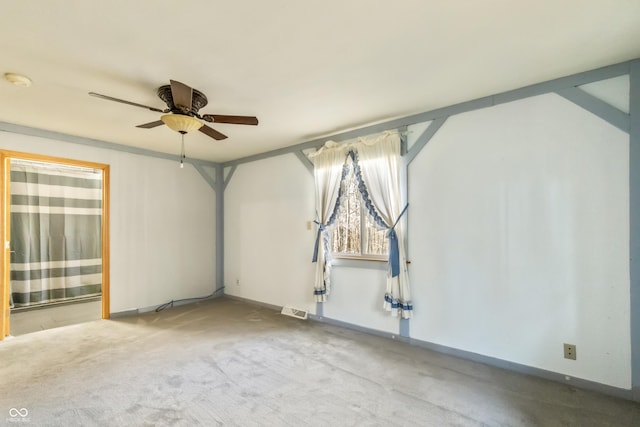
(328, 170)
(380, 165)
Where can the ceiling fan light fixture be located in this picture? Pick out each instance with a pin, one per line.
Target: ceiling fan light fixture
(184, 103)
(181, 123)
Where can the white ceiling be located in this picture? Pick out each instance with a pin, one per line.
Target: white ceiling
(306, 68)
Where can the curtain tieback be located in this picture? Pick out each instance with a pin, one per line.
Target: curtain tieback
(394, 249)
(321, 229)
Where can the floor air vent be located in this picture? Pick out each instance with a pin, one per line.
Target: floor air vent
(294, 312)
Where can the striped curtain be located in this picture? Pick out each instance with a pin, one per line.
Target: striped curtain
(56, 240)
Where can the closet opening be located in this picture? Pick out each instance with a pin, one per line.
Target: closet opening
(55, 262)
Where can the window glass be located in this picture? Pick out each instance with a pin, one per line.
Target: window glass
(354, 232)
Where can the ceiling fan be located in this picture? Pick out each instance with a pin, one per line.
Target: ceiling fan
(181, 114)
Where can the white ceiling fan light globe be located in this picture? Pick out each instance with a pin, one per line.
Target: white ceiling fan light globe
(181, 123)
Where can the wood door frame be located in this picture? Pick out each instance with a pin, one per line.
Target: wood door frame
(5, 231)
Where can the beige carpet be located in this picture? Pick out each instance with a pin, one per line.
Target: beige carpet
(225, 362)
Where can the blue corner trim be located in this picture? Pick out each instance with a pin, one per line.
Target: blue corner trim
(404, 328)
(634, 219)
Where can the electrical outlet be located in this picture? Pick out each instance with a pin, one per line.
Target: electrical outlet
(570, 351)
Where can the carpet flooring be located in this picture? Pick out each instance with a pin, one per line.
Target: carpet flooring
(227, 362)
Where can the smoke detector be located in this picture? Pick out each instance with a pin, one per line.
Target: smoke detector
(17, 79)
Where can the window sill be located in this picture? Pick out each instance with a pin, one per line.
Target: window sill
(374, 258)
(360, 262)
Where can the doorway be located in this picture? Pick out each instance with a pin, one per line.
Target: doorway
(59, 214)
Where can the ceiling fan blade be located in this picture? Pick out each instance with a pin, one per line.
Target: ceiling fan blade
(122, 101)
(182, 96)
(212, 133)
(151, 124)
(236, 120)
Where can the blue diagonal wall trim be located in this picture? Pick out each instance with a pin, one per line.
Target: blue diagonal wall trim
(424, 138)
(305, 161)
(227, 179)
(606, 112)
(202, 171)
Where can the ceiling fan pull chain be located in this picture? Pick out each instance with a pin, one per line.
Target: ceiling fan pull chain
(182, 155)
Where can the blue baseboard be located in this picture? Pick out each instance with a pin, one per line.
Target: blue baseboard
(530, 370)
(633, 394)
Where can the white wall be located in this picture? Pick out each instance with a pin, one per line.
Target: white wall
(357, 297)
(268, 248)
(519, 221)
(518, 237)
(162, 223)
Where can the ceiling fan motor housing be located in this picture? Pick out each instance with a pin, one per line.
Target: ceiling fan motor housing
(198, 100)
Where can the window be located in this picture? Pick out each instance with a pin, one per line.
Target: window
(354, 233)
